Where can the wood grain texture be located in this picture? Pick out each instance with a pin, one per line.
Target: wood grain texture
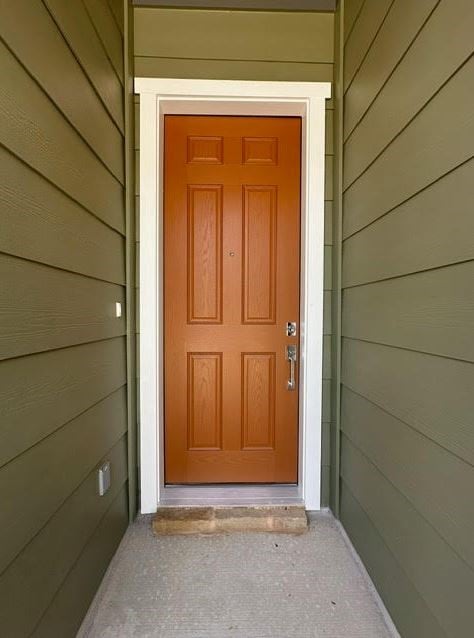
(43, 308)
(68, 607)
(76, 446)
(431, 312)
(42, 224)
(258, 400)
(425, 556)
(234, 35)
(396, 33)
(422, 72)
(432, 229)
(431, 394)
(205, 150)
(413, 616)
(442, 142)
(259, 253)
(204, 263)
(260, 150)
(369, 21)
(204, 401)
(425, 473)
(40, 393)
(65, 82)
(82, 37)
(110, 35)
(33, 129)
(205, 361)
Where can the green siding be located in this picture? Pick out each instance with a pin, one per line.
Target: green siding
(248, 45)
(407, 446)
(89, 49)
(63, 354)
(333, 445)
(234, 35)
(130, 255)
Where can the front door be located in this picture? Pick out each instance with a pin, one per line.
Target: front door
(231, 285)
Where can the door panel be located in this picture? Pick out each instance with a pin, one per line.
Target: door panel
(204, 401)
(231, 282)
(259, 254)
(204, 261)
(258, 400)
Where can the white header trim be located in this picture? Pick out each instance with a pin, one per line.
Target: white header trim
(244, 89)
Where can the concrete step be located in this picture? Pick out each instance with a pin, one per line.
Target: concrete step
(283, 519)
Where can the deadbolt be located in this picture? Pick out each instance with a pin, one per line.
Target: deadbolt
(291, 329)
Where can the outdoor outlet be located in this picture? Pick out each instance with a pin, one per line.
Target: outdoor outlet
(103, 476)
(118, 309)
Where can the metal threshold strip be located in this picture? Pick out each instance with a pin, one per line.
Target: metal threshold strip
(182, 495)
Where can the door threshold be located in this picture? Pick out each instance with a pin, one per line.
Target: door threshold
(230, 495)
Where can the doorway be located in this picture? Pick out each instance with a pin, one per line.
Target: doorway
(161, 97)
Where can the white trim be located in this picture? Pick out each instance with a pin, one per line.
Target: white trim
(229, 97)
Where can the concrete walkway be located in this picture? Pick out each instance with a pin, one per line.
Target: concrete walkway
(238, 586)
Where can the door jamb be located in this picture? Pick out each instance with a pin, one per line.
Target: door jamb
(230, 97)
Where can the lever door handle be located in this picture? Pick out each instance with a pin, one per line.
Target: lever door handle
(291, 357)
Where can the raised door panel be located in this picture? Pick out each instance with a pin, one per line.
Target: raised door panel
(205, 149)
(204, 254)
(258, 400)
(204, 401)
(259, 254)
(260, 150)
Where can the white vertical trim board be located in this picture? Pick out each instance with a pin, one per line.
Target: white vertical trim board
(228, 97)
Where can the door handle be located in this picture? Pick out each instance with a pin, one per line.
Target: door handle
(291, 357)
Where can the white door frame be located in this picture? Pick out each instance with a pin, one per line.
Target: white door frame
(230, 97)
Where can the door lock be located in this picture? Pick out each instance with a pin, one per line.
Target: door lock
(291, 328)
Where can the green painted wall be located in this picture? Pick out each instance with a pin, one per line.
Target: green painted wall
(63, 391)
(248, 45)
(407, 442)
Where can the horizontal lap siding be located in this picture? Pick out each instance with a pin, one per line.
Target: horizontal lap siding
(407, 447)
(234, 35)
(62, 349)
(248, 46)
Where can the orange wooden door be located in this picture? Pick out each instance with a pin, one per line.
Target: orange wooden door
(231, 283)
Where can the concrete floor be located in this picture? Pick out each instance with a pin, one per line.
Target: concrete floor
(237, 585)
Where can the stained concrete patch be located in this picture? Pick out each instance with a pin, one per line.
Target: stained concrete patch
(240, 585)
(283, 519)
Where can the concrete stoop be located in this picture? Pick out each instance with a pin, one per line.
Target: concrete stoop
(283, 519)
